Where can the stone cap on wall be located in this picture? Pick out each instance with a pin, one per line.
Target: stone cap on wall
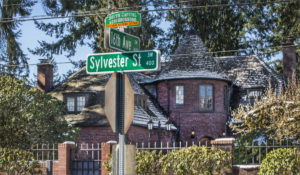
(223, 141)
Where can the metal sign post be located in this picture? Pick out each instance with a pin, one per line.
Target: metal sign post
(119, 110)
(120, 119)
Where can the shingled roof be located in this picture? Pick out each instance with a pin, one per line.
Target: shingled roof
(94, 115)
(191, 60)
(248, 71)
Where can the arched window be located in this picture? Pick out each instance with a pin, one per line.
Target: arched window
(206, 140)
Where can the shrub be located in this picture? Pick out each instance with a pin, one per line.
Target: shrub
(148, 162)
(16, 161)
(196, 160)
(192, 160)
(283, 161)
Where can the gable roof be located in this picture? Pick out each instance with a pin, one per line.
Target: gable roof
(94, 115)
(191, 60)
(249, 71)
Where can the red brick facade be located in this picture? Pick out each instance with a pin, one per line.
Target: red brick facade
(187, 116)
(135, 134)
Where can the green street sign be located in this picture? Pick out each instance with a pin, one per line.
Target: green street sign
(123, 19)
(148, 60)
(122, 41)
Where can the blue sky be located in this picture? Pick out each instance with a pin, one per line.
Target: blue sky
(30, 37)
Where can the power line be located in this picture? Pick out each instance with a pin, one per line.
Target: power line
(107, 11)
(172, 55)
(180, 2)
(153, 4)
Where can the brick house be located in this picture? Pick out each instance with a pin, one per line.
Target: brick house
(194, 90)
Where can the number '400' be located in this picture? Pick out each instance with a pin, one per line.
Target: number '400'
(150, 63)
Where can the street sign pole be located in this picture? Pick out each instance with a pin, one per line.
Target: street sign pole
(134, 61)
(121, 154)
(120, 119)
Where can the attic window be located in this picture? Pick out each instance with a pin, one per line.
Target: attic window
(206, 97)
(75, 103)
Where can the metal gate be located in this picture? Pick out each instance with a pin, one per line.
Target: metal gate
(86, 159)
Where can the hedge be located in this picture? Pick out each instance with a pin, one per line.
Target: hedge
(282, 161)
(17, 161)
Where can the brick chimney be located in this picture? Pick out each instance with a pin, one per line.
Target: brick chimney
(289, 60)
(45, 75)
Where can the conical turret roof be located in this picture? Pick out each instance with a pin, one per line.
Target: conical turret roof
(191, 60)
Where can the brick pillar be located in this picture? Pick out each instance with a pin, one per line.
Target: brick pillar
(225, 144)
(106, 149)
(62, 166)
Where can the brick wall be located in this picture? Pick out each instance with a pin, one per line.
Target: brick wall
(188, 116)
(135, 134)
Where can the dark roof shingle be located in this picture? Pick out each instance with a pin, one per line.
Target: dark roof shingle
(191, 60)
(248, 71)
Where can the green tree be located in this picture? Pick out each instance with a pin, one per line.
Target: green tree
(284, 161)
(17, 162)
(236, 25)
(28, 116)
(277, 65)
(10, 49)
(89, 29)
(270, 24)
(220, 27)
(276, 116)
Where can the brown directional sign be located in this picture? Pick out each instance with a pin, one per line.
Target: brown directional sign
(110, 102)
